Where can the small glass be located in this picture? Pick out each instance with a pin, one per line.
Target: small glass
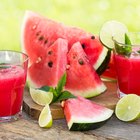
(127, 62)
(13, 71)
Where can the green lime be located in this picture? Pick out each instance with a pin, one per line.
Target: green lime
(41, 97)
(112, 29)
(45, 118)
(128, 108)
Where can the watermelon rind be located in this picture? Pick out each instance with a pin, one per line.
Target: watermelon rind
(88, 93)
(105, 62)
(101, 58)
(84, 124)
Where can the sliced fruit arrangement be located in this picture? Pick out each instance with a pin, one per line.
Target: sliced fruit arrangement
(48, 44)
(82, 114)
(38, 33)
(46, 95)
(128, 108)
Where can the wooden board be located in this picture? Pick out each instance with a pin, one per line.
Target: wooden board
(108, 99)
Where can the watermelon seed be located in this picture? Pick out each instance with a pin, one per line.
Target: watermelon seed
(81, 62)
(74, 57)
(34, 27)
(83, 46)
(92, 37)
(40, 38)
(38, 33)
(38, 59)
(67, 66)
(50, 52)
(50, 64)
(45, 41)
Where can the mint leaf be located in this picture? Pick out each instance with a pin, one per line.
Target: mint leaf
(55, 95)
(124, 50)
(58, 93)
(45, 88)
(65, 95)
(127, 40)
(61, 83)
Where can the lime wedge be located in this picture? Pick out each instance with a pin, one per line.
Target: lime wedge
(112, 29)
(128, 108)
(45, 118)
(41, 97)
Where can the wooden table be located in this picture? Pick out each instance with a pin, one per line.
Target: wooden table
(28, 129)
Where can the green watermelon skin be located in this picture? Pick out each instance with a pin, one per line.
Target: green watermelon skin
(86, 126)
(51, 66)
(82, 79)
(82, 114)
(39, 32)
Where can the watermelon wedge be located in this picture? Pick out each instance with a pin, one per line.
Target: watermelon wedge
(39, 32)
(110, 72)
(82, 79)
(82, 114)
(50, 66)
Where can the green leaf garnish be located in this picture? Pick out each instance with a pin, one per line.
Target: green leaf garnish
(138, 51)
(61, 83)
(127, 40)
(65, 95)
(58, 93)
(45, 88)
(124, 50)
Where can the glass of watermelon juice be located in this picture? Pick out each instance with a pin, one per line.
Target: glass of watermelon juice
(127, 62)
(13, 71)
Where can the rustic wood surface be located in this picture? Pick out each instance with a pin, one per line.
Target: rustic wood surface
(28, 129)
(108, 99)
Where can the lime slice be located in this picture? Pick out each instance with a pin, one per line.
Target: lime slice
(45, 118)
(41, 97)
(128, 108)
(112, 29)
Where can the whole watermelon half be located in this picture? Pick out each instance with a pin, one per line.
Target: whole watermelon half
(39, 32)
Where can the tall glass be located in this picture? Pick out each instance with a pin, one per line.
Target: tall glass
(13, 71)
(127, 62)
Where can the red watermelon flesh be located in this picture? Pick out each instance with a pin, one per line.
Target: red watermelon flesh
(83, 114)
(82, 79)
(93, 48)
(49, 69)
(39, 32)
(110, 72)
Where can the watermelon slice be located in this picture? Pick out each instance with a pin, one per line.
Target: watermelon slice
(82, 114)
(82, 79)
(50, 66)
(38, 33)
(110, 72)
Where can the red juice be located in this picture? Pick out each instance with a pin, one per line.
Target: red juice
(128, 73)
(12, 81)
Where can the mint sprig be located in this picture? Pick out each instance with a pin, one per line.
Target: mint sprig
(124, 50)
(58, 93)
